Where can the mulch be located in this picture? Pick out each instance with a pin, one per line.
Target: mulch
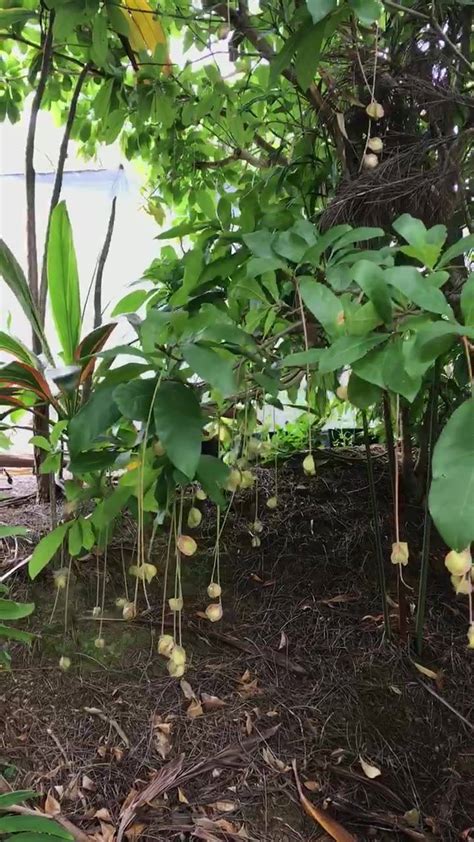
(298, 669)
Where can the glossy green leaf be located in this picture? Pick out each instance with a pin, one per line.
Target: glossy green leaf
(178, 423)
(395, 375)
(425, 245)
(100, 45)
(75, 538)
(346, 350)
(323, 304)
(14, 15)
(214, 367)
(134, 398)
(467, 300)
(300, 359)
(8, 799)
(14, 277)
(418, 290)
(357, 235)
(463, 246)
(361, 393)
(12, 531)
(290, 245)
(19, 635)
(94, 418)
(367, 11)
(212, 475)
(16, 349)
(41, 442)
(131, 302)
(308, 54)
(10, 610)
(362, 319)
(451, 499)
(63, 282)
(47, 549)
(319, 9)
(371, 280)
(36, 824)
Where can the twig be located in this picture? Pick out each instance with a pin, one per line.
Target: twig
(446, 704)
(112, 722)
(101, 265)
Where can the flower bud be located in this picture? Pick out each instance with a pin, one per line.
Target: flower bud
(400, 553)
(272, 503)
(458, 563)
(176, 603)
(308, 465)
(214, 590)
(64, 663)
(214, 612)
(99, 643)
(165, 645)
(194, 517)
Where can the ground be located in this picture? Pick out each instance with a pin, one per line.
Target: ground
(298, 670)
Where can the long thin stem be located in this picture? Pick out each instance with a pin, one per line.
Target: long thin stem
(425, 552)
(377, 531)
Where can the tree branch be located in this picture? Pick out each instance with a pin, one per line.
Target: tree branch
(30, 175)
(101, 265)
(58, 182)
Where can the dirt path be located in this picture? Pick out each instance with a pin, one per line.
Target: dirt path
(298, 669)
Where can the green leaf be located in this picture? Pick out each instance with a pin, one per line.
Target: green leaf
(101, 104)
(215, 368)
(75, 538)
(260, 243)
(12, 531)
(15, 634)
(130, 303)
(425, 245)
(300, 359)
(395, 375)
(451, 498)
(14, 277)
(370, 368)
(63, 282)
(16, 349)
(213, 474)
(467, 300)
(134, 398)
(323, 304)
(46, 549)
(361, 393)
(308, 54)
(314, 253)
(368, 11)
(10, 610)
(290, 245)
(346, 350)
(100, 45)
(41, 442)
(8, 799)
(319, 9)
(357, 235)
(418, 290)
(94, 418)
(371, 280)
(178, 423)
(430, 342)
(38, 824)
(11, 17)
(283, 58)
(362, 319)
(461, 247)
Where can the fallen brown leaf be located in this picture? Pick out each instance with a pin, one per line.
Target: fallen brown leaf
(330, 825)
(211, 703)
(51, 806)
(103, 815)
(274, 762)
(135, 831)
(88, 784)
(248, 723)
(194, 709)
(369, 770)
(188, 691)
(312, 786)
(224, 806)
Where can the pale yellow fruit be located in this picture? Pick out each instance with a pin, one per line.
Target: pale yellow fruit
(341, 393)
(176, 670)
(233, 480)
(194, 517)
(96, 611)
(470, 637)
(129, 611)
(60, 578)
(144, 572)
(187, 545)
(375, 144)
(176, 603)
(308, 465)
(158, 448)
(121, 602)
(461, 585)
(214, 612)
(257, 527)
(247, 480)
(370, 161)
(178, 655)
(254, 447)
(99, 643)
(400, 553)
(375, 110)
(256, 542)
(214, 590)
(201, 494)
(458, 563)
(272, 503)
(64, 663)
(165, 645)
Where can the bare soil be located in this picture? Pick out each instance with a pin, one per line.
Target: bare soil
(299, 668)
